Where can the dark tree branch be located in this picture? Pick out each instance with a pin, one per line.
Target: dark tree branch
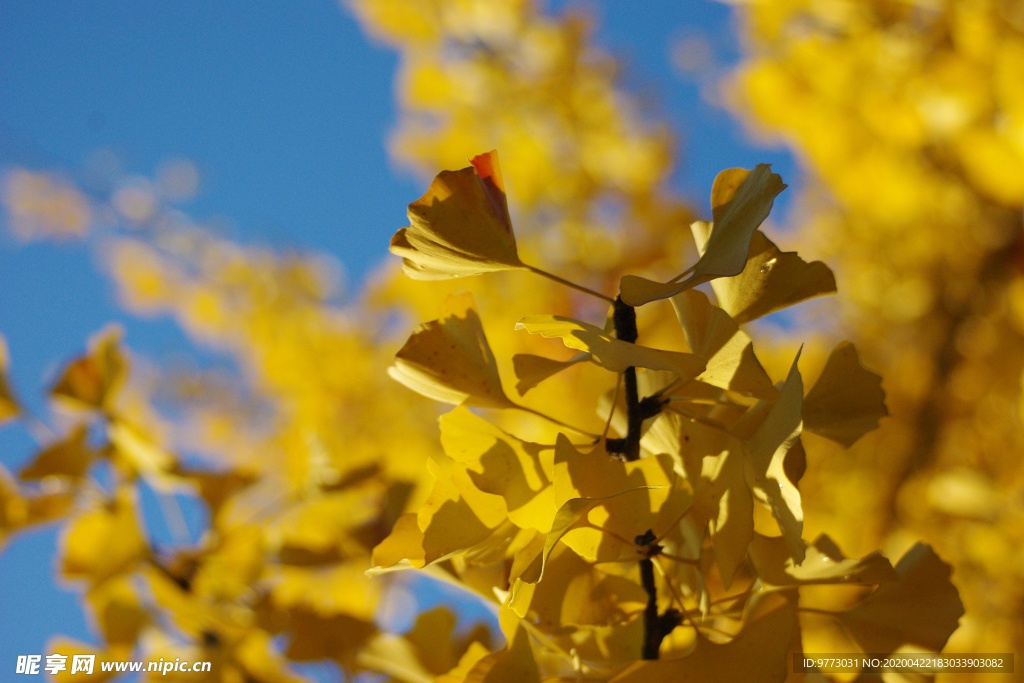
(656, 626)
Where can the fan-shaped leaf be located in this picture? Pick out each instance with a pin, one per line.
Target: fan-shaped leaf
(461, 226)
(449, 359)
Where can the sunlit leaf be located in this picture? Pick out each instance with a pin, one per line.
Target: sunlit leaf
(740, 201)
(823, 563)
(771, 280)
(449, 359)
(728, 351)
(456, 517)
(847, 401)
(611, 353)
(767, 451)
(503, 465)
(461, 226)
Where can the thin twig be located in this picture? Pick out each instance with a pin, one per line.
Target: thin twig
(611, 412)
(558, 422)
(567, 283)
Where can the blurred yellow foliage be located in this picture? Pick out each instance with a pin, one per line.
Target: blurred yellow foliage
(910, 118)
(315, 466)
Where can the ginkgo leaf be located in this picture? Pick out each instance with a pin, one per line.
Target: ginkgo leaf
(766, 454)
(576, 593)
(728, 351)
(456, 517)
(104, 541)
(571, 514)
(69, 457)
(655, 497)
(91, 381)
(503, 465)
(713, 461)
(532, 370)
(823, 563)
(920, 608)
(461, 226)
(740, 201)
(771, 280)
(611, 353)
(847, 401)
(9, 406)
(758, 654)
(449, 359)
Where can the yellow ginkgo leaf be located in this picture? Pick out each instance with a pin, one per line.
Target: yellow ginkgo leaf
(758, 654)
(766, 455)
(91, 381)
(571, 515)
(740, 201)
(636, 496)
(611, 353)
(449, 359)
(576, 593)
(713, 462)
(823, 563)
(69, 457)
(728, 351)
(104, 541)
(920, 608)
(461, 226)
(771, 280)
(847, 400)
(456, 518)
(532, 370)
(503, 465)
(9, 406)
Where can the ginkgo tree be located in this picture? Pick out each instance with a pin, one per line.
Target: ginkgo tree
(676, 534)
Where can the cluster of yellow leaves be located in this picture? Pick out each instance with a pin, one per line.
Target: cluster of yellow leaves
(565, 534)
(322, 457)
(910, 117)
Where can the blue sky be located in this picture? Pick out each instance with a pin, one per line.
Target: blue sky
(285, 107)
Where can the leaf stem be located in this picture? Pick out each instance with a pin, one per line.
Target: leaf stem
(567, 283)
(611, 411)
(558, 422)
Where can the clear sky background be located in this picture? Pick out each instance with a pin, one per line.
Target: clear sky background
(285, 107)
